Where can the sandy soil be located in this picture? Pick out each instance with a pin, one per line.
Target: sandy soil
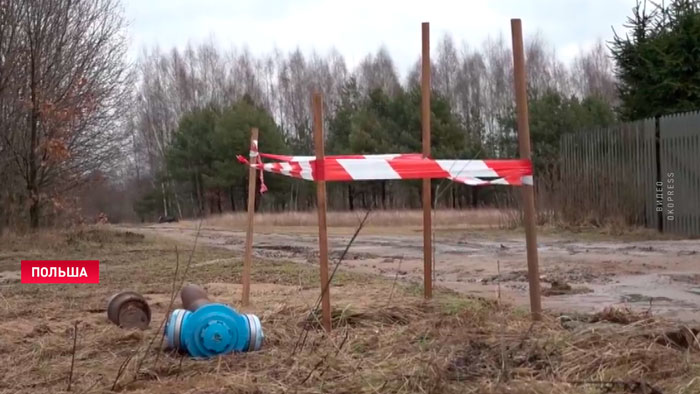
(663, 275)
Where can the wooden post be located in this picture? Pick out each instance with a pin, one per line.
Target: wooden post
(321, 208)
(528, 192)
(252, 174)
(425, 123)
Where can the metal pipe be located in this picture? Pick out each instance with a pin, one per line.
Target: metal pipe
(193, 297)
(206, 329)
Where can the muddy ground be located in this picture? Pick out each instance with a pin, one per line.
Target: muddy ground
(57, 338)
(576, 276)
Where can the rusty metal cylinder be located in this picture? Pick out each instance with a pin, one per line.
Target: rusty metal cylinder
(129, 309)
(193, 297)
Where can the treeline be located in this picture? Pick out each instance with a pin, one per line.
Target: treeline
(370, 109)
(83, 132)
(367, 110)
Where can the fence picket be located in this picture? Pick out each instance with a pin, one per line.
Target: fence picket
(611, 172)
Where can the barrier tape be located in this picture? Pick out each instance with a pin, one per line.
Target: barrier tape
(255, 156)
(514, 172)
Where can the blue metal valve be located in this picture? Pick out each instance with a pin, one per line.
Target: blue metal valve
(213, 329)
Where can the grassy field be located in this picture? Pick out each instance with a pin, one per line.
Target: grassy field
(385, 337)
(379, 218)
(446, 223)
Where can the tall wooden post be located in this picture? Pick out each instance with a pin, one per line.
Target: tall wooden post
(527, 190)
(321, 208)
(425, 123)
(252, 172)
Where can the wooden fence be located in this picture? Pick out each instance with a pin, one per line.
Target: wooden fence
(645, 173)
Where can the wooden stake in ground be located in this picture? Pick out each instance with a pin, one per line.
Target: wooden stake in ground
(528, 192)
(321, 208)
(72, 359)
(425, 123)
(251, 216)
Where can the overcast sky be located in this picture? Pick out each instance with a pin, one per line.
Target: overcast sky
(358, 27)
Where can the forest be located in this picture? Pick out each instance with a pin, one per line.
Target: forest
(85, 131)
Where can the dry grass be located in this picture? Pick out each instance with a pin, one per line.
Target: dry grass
(453, 344)
(477, 218)
(445, 223)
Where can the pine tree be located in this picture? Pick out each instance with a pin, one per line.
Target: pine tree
(658, 64)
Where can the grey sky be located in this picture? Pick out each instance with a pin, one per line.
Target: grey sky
(358, 27)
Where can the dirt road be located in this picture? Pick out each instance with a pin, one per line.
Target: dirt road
(576, 276)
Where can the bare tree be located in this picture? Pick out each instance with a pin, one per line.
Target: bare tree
(293, 84)
(471, 79)
(446, 69)
(62, 99)
(267, 68)
(10, 14)
(592, 74)
(338, 75)
(544, 70)
(378, 72)
(498, 90)
(247, 78)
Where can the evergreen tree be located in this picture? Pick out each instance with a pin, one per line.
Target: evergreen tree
(202, 155)
(658, 63)
(231, 136)
(552, 115)
(190, 156)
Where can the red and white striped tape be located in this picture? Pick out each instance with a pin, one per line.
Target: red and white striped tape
(399, 166)
(255, 157)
